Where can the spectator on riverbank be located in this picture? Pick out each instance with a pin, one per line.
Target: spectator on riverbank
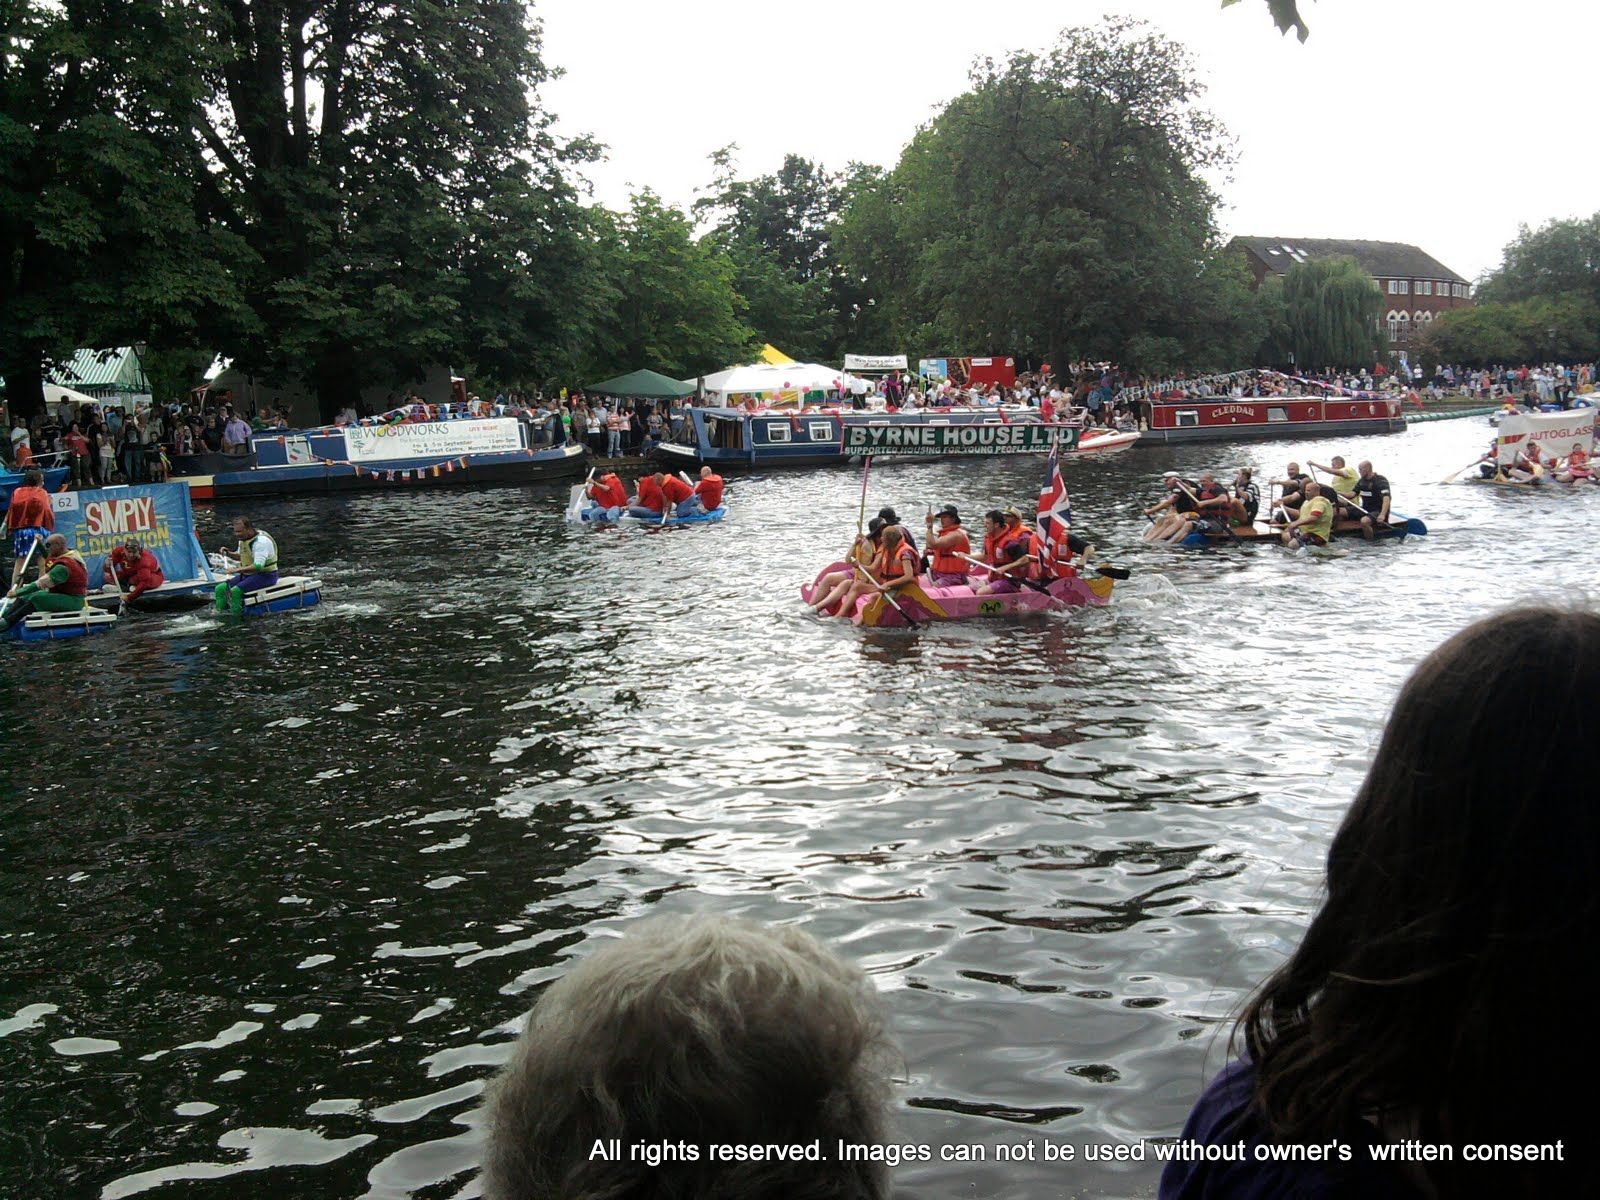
(695, 1031)
(1460, 910)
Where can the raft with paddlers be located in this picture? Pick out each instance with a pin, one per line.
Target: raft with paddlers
(662, 500)
(922, 601)
(1398, 526)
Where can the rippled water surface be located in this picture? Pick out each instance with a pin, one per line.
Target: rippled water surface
(277, 896)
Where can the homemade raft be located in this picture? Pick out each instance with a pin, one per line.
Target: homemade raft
(55, 627)
(925, 602)
(1398, 527)
(582, 511)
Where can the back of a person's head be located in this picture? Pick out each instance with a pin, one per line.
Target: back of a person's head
(1461, 913)
(697, 1030)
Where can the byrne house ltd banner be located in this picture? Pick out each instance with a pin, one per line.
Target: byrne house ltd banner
(882, 440)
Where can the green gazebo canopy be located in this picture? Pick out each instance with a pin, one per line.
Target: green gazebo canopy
(651, 384)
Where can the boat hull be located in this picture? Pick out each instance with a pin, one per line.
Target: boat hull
(1263, 418)
(1400, 527)
(922, 601)
(318, 478)
(55, 479)
(56, 627)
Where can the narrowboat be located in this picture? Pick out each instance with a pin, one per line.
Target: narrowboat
(417, 446)
(1261, 417)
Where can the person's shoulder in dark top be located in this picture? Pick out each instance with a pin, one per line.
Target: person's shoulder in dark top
(1225, 1117)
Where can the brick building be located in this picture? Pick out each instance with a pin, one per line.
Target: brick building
(1415, 286)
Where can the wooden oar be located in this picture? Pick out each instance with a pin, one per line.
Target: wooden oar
(6, 601)
(1006, 571)
(122, 597)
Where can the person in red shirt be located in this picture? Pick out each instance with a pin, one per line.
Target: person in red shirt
(78, 455)
(709, 489)
(29, 519)
(137, 569)
(649, 501)
(679, 495)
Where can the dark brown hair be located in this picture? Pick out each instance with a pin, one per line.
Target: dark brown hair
(1443, 987)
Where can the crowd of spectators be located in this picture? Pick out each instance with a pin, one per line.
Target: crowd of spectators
(105, 443)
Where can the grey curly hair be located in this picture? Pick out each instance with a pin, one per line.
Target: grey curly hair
(698, 1030)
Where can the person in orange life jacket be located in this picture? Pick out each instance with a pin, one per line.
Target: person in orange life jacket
(29, 519)
(946, 567)
(1033, 546)
(137, 568)
(994, 533)
(889, 518)
(1214, 504)
(896, 565)
(62, 585)
(679, 495)
(650, 501)
(831, 588)
(709, 489)
(1013, 564)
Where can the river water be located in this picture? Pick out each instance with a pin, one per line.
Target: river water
(277, 896)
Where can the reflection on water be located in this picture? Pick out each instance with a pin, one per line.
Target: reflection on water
(279, 894)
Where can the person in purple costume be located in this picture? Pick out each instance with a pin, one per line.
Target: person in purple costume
(1426, 1038)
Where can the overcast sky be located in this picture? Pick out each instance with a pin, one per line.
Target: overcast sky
(1444, 123)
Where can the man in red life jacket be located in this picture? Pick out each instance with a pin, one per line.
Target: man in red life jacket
(649, 502)
(62, 585)
(709, 489)
(609, 495)
(137, 569)
(29, 519)
(679, 495)
(946, 567)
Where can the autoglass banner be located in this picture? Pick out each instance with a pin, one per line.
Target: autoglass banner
(885, 440)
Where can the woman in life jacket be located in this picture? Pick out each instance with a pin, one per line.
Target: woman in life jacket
(831, 588)
(896, 566)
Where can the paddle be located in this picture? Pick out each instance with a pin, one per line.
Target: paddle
(6, 601)
(1451, 478)
(122, 597)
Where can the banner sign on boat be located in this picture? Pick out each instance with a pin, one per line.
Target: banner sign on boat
(158, 514)
(432, 439)
(874, 362)
(882, 440)
(1554, 433)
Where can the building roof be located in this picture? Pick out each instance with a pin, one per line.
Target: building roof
(111, 370)
(1381, 260)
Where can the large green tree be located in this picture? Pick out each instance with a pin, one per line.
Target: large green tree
(1057, 209)
(401, 193)
(776, 230)
(1332, 307)
(99, 244)
(676, 309)
(1560, 258)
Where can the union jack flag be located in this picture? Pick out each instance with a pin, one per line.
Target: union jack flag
(1055, 508)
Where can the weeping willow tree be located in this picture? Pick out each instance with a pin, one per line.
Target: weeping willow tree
(1332, 307)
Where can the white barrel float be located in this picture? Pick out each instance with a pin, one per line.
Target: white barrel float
(289, 593)
(53, 627)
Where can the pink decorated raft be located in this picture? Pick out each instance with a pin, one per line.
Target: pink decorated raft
(925, 602)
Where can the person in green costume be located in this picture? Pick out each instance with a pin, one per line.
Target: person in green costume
(62, 586)
(256, 566)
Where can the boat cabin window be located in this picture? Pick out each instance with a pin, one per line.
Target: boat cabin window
(778, 431)
(1277, 414)
(1186, 417)
(297, 450)
(821, 431)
